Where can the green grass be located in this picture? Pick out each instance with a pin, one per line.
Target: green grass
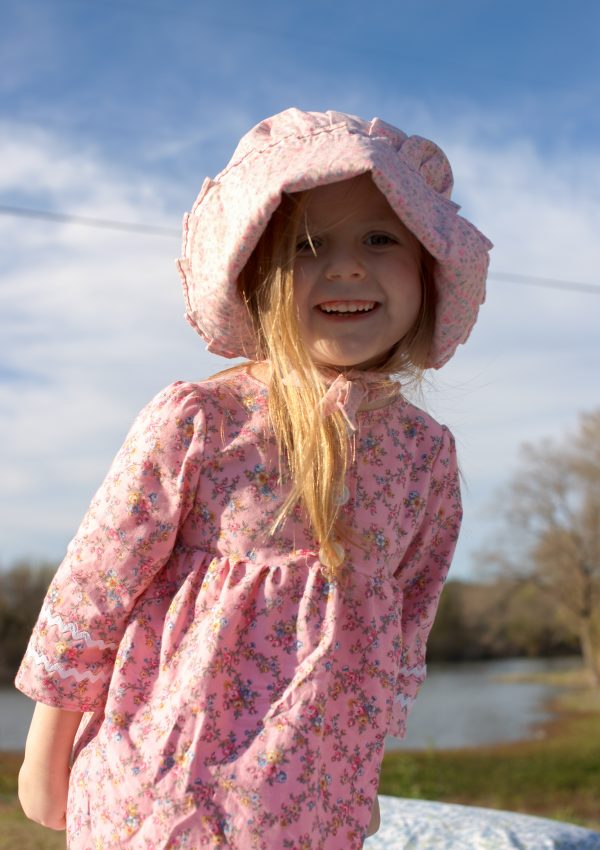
(556, 776)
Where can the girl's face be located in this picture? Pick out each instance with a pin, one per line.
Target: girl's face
(357, 278)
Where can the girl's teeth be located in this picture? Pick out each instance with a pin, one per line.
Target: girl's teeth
(347, 307)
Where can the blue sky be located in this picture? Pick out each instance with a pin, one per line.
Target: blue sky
(118, 109)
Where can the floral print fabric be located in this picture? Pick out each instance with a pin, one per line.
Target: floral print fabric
(236, 697)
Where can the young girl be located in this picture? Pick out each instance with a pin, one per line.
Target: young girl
(242, 616)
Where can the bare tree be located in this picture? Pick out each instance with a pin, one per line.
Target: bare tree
(551, 518)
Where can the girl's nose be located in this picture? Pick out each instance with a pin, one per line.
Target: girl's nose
(344, 265)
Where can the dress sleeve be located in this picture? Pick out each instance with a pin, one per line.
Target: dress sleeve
(126, 536)
(422, 574)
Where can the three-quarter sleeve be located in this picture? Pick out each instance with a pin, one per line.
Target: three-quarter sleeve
(126, 536)
(422, 574)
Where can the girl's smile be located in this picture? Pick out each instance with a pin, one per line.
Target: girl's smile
(343, 309)
(357, 275)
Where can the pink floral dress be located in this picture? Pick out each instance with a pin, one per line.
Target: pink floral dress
(237, 698)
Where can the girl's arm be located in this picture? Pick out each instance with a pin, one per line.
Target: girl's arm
(125, 538)
(44, 775)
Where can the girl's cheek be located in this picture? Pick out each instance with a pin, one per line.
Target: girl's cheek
(299, 273)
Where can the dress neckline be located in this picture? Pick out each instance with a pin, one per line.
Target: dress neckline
(379, 396)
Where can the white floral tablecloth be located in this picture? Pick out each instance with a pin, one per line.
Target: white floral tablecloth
(421, 825)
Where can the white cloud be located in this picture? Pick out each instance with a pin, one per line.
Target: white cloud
(91, 326)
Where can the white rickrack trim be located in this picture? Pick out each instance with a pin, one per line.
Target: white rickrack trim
(63, 672)
(419, 671)
(56, 620)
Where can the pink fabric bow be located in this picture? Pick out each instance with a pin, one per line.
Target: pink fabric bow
(346, 396)
(346, 391)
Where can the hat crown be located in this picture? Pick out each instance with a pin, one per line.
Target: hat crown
(422, 155)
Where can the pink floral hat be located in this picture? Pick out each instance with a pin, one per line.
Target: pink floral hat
(294, 151)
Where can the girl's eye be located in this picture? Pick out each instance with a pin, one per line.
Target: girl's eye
(308, 246)
(379, 240)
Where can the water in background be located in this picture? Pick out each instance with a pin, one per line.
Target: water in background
(15, 716)
(469, 704)
(459, 705)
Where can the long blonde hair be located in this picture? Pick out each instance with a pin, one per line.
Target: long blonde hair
(315, 450)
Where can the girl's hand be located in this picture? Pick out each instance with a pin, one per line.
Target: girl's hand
(44, 774)
(43, 793)
(375, 818)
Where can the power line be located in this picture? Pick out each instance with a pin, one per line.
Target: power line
(87, 221)
(158, 230)
(548, 282)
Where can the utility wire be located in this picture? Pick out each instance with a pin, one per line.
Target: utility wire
(104, 223)
(157, 230)
(548, 282)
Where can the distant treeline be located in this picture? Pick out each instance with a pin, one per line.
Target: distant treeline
(498, 619)
(475, 621)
